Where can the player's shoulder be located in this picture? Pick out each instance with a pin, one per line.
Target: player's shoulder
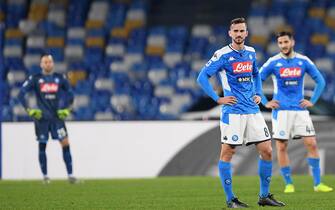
(35, 76)
(221, 52)
(59, 75)
(249, 49)
(303, 58)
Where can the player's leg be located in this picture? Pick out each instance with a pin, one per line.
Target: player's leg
(282, 123)
(231, 136)
(258, 134)
(67, 155)
(59, 132)
(225, 173)
(265, 173)
(284, 163)
(42, 134)
(42, 159)
(314, 162)
(264, 167)
(304, 128)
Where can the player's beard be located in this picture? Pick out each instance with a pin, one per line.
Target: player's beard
(48, 70)
(288, 53)
(238, 40)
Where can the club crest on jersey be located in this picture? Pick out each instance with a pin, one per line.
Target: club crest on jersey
(49, 87)
(242, 67)
(290, 72)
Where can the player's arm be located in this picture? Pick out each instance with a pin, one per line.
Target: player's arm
(64, 112)
(257, 83)
(320, 84)
(265, 71)
(27, 86)
(208, 71)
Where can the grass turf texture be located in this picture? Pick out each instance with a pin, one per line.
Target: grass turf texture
(160, 193)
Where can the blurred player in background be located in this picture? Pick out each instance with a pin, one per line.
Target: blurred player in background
(49, 116)
(290, 117)
(241, 121)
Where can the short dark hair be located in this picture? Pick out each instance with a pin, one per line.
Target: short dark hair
(45, 55)
(285, 33)
(237, 21)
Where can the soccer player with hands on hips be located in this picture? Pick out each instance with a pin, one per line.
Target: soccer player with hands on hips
(48, 116)
(290, 117)
(241, 121)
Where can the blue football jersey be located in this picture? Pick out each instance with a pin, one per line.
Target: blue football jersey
(238, 74)
(288, 79)
(48, 90)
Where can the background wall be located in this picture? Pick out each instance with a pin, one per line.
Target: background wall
(100, 149)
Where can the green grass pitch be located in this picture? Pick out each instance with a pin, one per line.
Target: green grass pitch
(159, 193)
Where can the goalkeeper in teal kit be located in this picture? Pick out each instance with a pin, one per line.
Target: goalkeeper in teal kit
(241, 121)
(290, 117)
(48, 116)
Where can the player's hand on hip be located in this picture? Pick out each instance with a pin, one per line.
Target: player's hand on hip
(257, 99)
(273, 104)
(305, 103)
(227, 100)
(63, 113)
(35, 113)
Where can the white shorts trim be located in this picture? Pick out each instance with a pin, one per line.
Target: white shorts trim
(238, 129)
(292, 125)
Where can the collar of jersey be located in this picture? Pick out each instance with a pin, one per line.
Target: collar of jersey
(238, 51)
(285, 57)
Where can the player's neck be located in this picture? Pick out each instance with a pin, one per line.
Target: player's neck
(237, 47)
(47, 73)
(291, 55)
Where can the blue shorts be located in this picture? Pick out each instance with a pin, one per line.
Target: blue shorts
(55, 127)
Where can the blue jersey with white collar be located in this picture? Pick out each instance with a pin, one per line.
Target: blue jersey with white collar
(48, 89)
(238, 74)
(288, 78)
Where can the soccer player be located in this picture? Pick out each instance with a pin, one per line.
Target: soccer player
(241, 121)
(290, 117)
(49, 116)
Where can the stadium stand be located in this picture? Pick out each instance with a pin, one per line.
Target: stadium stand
(126, 62)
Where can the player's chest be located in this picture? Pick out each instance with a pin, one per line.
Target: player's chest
(237, 65)
(48, 85)
(284, 71)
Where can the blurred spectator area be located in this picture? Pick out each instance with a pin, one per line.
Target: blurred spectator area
(139, 59)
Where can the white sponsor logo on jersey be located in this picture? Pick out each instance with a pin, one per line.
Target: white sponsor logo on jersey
(49, 87)
(290, 72)
(242, 67)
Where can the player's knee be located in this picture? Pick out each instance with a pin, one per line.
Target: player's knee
(281, 147)
(267, 153)
(64, 142)
(227, 154)
(312, 146)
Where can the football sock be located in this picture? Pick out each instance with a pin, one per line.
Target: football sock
(286, 173)
(226, 179)
(314, 163)
(67, 159)
(265, 173)
(42, 158)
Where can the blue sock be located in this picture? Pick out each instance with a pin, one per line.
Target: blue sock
(67, 159)
(315, 164)
(42, 158)
(226, 180)
(265, 173)
(286, 173)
